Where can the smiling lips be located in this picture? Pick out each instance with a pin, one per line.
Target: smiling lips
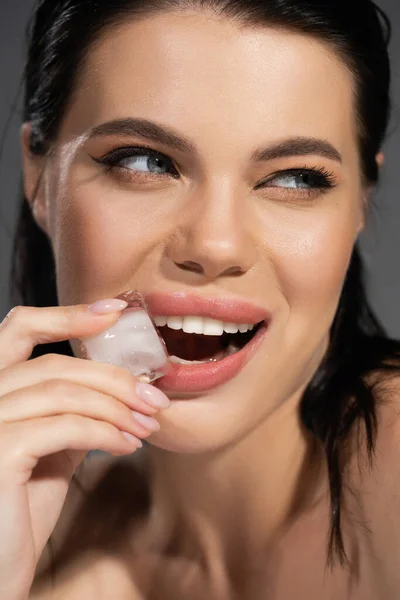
(209, 339)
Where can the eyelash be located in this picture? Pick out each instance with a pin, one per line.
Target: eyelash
(326, 180)
(111, 160)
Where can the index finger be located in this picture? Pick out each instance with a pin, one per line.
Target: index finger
(24, 327)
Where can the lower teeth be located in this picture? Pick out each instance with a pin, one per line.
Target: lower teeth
(223, 354)
(182, 361)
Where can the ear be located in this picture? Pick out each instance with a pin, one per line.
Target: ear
(33, 170)
(380, 159)
(362, 222)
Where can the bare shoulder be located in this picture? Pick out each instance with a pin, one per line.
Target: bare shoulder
(386, 390)
(386, 457)
(374, 499)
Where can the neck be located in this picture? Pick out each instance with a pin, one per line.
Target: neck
(228, 507)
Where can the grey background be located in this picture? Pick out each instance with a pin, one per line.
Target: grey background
(380, 244)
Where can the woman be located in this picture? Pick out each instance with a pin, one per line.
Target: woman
(220, 157)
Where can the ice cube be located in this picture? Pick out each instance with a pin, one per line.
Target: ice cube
(132, 343)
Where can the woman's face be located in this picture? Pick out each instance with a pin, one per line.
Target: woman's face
(223, 216)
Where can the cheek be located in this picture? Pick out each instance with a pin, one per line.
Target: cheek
(311, 259)
(103, 240)
(316, 265)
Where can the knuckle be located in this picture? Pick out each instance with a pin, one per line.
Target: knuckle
(16, 452)
(81, 426)
(110, 411)
(68, 317)
(118, 412)
(116, 372)
(107, 429)
(85, 428)
(126, 381)
(74, 423)
(12, 448)
(16, 314)
(50, 361)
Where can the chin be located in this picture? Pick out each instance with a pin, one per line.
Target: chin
(189, 427)
(199, 425)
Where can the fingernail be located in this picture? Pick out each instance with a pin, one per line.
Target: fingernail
(147, 422)
(104, 307)
(132, 439)
(152, 395)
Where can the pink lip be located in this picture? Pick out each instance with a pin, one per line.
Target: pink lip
(227, 309)
(197, 378)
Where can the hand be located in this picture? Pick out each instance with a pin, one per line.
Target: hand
(53, 411)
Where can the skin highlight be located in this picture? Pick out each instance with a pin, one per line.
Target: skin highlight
(282, 248)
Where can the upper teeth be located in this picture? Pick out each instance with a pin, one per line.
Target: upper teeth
(202, 325)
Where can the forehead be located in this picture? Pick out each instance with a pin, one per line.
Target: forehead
(196, 72)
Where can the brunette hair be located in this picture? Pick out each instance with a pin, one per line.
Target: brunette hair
(60, 36)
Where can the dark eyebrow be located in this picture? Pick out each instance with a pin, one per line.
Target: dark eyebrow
(145, 129)
(299, 146)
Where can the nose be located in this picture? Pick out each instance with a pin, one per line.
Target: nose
(214, 234)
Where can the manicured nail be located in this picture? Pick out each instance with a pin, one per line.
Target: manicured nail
(148, 422)
(132, 439)
(105, 307)
(152, 395)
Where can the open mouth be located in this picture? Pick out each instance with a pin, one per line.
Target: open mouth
(198, 340)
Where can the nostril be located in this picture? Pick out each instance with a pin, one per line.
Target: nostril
(195, 267)
(191, 266)
(233, 271)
